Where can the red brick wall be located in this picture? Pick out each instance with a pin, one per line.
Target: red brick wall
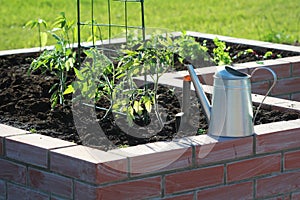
(264, 166)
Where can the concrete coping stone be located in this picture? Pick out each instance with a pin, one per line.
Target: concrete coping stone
(41, 141)
(88, 154)
(10, 131)
(150, 148)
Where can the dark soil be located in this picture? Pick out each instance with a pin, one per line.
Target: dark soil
(24, 103)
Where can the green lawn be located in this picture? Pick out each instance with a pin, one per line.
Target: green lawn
(269, 20)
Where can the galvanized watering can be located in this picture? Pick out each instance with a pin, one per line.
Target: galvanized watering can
(231, 112)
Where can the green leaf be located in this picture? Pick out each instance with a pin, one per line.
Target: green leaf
(130, 120)
(148, 105)
(260, 62)
(55, 36)
(43, 22)
(146, 100)
(130, 112)
(69, 90)
(70, 63)
(54, 99)
(53, 87)
(79, 75)
(31, 24)
(84, 88)
(137, 107)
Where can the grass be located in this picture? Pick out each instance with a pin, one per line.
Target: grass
(268, 20)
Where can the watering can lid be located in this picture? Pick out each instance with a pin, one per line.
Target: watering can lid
(230, 73)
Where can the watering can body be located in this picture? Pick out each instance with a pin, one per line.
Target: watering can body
(231, 112)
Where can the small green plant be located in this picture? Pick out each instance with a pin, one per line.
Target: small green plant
(244, 53)
(64, 30)
(190, 51)
(123, 146)
(221, 54)
(58, 61)
(152, 60)
(269, 54)
(42, 35)
(95, 78)
(201, 131)
(32, 130)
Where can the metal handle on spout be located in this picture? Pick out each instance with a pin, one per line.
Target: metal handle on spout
(272, 86)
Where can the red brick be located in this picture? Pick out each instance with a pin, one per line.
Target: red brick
(88, 164)
(50, 182)
(158, 156)
(162, 161)
(188, 196)
(237, 191)
(285, 96)
(295, 196)
(281, 197)
(1, 147)
(2, 188)
(281, 69)
(296, 68)
(32, 148)
(253, 167)
(57, 198)
(194, 179)
(206, 79)
(292, 160)
(260, 87)
(296, 97)
(12, 171)
(138, 189)
(224, 150)
(86, 191)
(17, 192)
(288, 85)
(278, 184)
(277, 141)
(285, 197)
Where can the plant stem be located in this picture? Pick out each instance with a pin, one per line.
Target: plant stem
(161, 123)
(40, 37)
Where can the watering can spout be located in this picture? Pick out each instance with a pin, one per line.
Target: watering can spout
(200, 92)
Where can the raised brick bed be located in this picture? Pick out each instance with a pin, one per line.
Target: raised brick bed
(260, 166)
(263, 166)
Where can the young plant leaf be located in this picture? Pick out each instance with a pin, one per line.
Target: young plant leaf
(137, 107)
(78, 74)
(69, 90)
(147, 103)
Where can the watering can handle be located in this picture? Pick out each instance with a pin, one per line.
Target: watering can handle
(272, 86)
